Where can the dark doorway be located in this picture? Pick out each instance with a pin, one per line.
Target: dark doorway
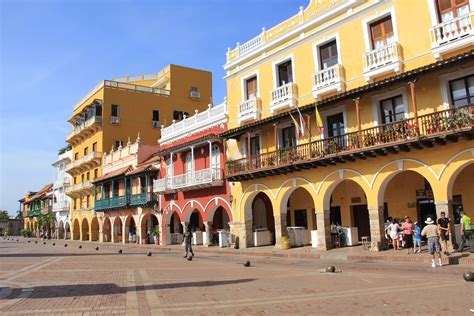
(335, 215)
(360, 214)
(426, 208)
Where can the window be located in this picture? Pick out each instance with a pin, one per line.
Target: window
(328, 55)
(115, 110)
(194, 89)
(98, 110)
(94, 147)
(75, 180)
(118, 144)
(285, 73)
(96, 173)
(82, 178)
(251, 88)
(381, 33)
(86, 151)
(462, 90)
(392, 109)
(254, 145)
(87, 201)
(156, 116)
(179, 115)
(301, 220)
(76, 156)
(451, 9)
(88, 175)
(288, 137)
(335, 125)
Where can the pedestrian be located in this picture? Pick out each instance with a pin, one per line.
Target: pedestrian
(394, 232)
(466, 230)
(444, 226)
(417, 232)
(407, 227)
(188, 236)
(431, 233)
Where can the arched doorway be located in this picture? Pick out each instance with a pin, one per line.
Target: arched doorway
(67, 231)
(76, 233)
(95, 229)
(348, 210)
(61, 230)
(52, 229)
(263, 221)
(195, 221)
(131, 230)
(219, 220)
(106, 230)
(408, 193)
(85, 229)
(175, 229)
(118, 230)
(150, 229)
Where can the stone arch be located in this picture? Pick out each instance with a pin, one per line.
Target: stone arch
(190, 206)
(213, 205)
(61, 231)
(94, 229)
(106, 229)
(130, 233)
(245, 203)
(147, 227)
(285, 192)
(117, 229)
(455, 165)
(76, 230)
(262, 219)
(85, 229)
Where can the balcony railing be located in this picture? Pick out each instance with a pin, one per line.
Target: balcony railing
(380, 57)
(250, 109)
(94, 120)
(62, 181)
(188, 180)
(437, 123)
(84, 160)
(283, 97)
(124, 200)
(190, 124)
(35, 212)
(329, 79)
(79, 186)
(46, 209)
(61, 205)
(452, 30)
(141, 198)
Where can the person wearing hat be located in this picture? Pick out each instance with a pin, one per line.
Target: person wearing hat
(431, 233)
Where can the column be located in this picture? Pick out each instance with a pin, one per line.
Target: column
(192, 163)
(377, 237)
(324, 230)
(280, 229)
(242, 233)
(447, 208)
(124, 233)
(207, 234)
(185, 226)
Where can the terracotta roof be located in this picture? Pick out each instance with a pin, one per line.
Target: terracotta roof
(41, 193)
(113, 174)
(148, 167)
(356, 92)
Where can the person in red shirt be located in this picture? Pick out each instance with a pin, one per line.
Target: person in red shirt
(407, 228)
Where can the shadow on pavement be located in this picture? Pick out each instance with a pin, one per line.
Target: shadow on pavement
(75, 290)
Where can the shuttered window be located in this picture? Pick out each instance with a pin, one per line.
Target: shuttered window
(381, 33)
(251, 88)
(328, 55)
(450, 9)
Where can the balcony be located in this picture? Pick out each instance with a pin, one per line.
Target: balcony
(61, 181)
(76, 188)
(61, 206)
(382, 61)
(46, 209)
(283, 97)
(85, 130)
(87, 162)
(452, 35)
(328, 80)
(114, 202)
(199, 121)
(250, 110)
(419, 132)
(141, 198)
(189, 181)
(35, 212)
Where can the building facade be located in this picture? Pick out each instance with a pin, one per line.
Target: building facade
(36, 208)
(116, 109)
(350, 112)
(61, 201)
(192, 190)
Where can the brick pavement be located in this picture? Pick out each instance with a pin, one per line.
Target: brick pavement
(83, 281)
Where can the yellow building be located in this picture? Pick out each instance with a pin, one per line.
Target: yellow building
(351, 112)
(118, 109)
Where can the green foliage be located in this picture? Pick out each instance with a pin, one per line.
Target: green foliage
(25, 233)
(156, 231)
(45, 220)
(64, 149)
(4, 217)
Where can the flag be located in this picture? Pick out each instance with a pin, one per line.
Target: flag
(297, 126)
(302, 124)
(319, 121)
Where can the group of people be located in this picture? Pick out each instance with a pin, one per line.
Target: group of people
(409, 234)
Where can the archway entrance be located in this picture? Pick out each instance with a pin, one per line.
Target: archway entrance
(106, 230)
(263, 221)
(348, 213)
(409, 194)
(61, 230)
(300, 217)
(150, 229)
(175, 230)
(461, 194)
(95, 229)
(67, 231)
(118, 230)
(85, 229)
(195, 221)
(76, 234)
(220, 219)
(131, 230)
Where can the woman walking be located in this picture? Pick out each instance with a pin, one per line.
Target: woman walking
(394, 230)
(408, 234)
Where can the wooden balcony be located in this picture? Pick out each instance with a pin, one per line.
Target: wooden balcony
(124, 201)
(418, 132)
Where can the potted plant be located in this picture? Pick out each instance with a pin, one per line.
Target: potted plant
(156, 234)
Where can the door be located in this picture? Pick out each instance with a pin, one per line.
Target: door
(288, 137)
(451, 9)
(360, 215)
(426, 208)
(255, 150)
(251, 88)
(381, 33)
(215, 162)
(335, 215)
(328, 55)
(335, 125)
(169, 172)
(285, 73)
(392, 109)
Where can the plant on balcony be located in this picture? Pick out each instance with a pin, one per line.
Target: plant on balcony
(369, 140)
(332, 147)
(353, 142)
(156, 234)
(285, 155)
(460, 118)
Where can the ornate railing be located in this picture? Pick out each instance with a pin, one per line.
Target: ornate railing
(186, 180)
(141, 198)
(114, 202)
(381, 56)
(283, 93)
(446, 121)
(451, 30)
(328, 76)
(250, 109)
(89, 122)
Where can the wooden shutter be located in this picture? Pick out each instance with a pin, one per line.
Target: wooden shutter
(251, 87)
(380, 30)
(328, 53)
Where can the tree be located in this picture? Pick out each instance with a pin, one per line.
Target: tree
(4, 217)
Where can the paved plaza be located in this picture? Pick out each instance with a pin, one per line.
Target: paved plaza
(47, 279)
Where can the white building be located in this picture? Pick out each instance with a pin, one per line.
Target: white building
(62, 202)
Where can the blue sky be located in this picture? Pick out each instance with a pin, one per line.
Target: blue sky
(53, 52)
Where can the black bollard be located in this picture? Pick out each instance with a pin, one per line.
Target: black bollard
(80, 246)
(120, 251)
(96, 248)
(468, 276)
(331, 269)
(36, 241)
(247, 264)
(54, 244)
(190, 258)
(65, 245)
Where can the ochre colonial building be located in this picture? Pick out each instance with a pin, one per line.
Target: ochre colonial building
(117, 109)
(35, 205)
(351, 112)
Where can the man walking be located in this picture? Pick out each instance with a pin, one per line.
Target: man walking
(444, 226)
(466, 230)
(188, 236)
(431, 233)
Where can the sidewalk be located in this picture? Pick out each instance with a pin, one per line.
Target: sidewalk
(356, 253)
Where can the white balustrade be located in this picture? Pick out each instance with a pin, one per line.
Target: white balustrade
(83, 160)
(382, 56)
(451, 30)
(250, 109)
(250, 45)
(185, 180)
(327, 77)
(61, 205)
(283, 96)
(79, 128)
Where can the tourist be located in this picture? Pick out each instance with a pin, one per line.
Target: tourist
(444, 226)
(407, 227)
(431, 233)
(394, 232)
(188, 236)
(417, 231)
(466, 230)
